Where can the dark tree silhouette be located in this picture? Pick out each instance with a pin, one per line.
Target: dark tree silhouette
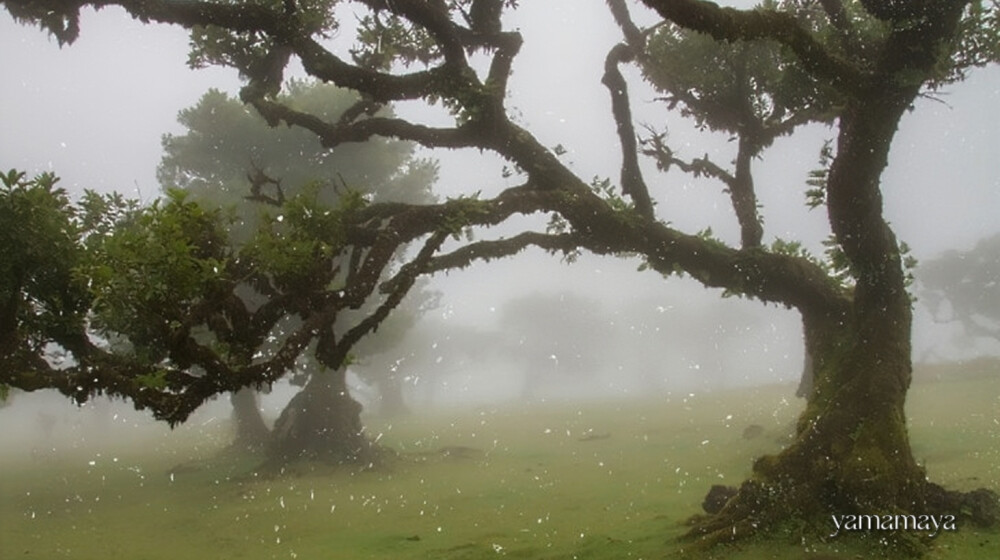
(227, 150)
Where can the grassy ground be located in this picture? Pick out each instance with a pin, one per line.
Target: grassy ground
(611, 480)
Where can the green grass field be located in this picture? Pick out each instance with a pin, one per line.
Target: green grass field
(598, 480)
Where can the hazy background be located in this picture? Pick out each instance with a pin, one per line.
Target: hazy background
(94, 113)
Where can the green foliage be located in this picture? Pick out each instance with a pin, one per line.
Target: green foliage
(40, 230)
(730, 86)
(816, 193)
(838, 267)
(296, 242)
(298, 245)
(977, 44)
(836, 264)
(708, 236)
(610, 194)
(462, 213)
(153, 272)
(156, 380)
(245, 51)
(224, 141)
(383, 41)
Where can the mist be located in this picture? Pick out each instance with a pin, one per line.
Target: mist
(94, 114)
(529, 331)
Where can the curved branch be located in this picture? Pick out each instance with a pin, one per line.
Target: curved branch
(656, 147)
(497, 249)
(432, 15)
(324, 65)
(633, 184)
(333, 355)
(347, 130)
(730, 24)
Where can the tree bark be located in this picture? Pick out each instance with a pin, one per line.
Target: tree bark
(251, 432)
(322, 422)
(851, 453)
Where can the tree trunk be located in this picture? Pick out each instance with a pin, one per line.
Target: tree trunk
(251, 432)
(322, 422)
(851, 454)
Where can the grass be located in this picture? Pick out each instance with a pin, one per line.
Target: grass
(560, 481)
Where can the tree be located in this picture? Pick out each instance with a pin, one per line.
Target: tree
(229, 158)
(555, 336)
(39, 248)
(963, 286)
(851, 452)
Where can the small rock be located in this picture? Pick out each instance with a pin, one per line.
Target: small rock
(718, 496)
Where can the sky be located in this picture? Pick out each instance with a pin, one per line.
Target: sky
(94, 113)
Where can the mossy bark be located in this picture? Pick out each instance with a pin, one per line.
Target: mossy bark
(851, 454)
(322, 422)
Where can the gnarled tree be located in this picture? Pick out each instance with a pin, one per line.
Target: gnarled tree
(851, 453)
(229, 158)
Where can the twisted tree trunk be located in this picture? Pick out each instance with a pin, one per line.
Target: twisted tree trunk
(851, 454)
(322, 422)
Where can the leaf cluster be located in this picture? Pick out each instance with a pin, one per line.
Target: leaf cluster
(383, 41)
(157, 270)
(608, 192)
(817, 180)
(247, 51)
(301, 243)
(40, 232)
(976, 44)
(736, 86)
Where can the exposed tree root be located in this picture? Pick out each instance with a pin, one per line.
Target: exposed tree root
(804, 513)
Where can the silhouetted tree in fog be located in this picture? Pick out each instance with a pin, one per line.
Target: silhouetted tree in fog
(229, 158)
(964, 286)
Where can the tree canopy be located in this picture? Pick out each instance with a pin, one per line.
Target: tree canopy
(761, 73)
(964, 286)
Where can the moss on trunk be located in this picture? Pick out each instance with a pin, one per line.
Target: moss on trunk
(851, 454)
(322, 422)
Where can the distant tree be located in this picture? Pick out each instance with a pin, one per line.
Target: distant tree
(553, 337)
(867, 61)
(379, 359)
(964, 287)
(229, 158)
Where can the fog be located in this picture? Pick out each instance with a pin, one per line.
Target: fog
(94, 113)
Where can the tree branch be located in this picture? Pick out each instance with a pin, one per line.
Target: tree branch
(497, 249)
(729, 24)
(633, 184)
